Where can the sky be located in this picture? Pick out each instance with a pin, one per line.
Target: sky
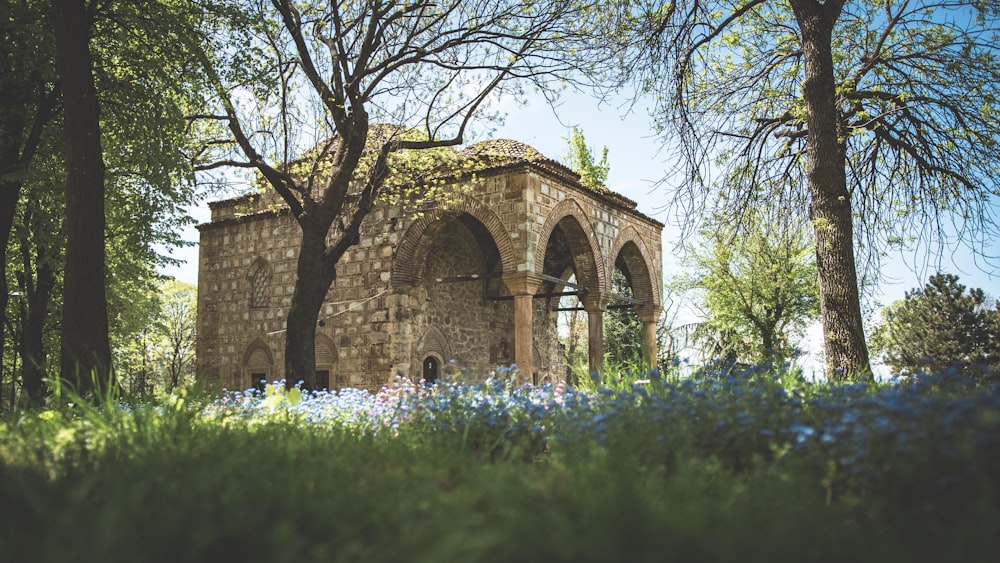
(638, 162)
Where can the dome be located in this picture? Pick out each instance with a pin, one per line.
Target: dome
(503, 148)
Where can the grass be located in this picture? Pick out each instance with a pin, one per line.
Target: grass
(719, 467)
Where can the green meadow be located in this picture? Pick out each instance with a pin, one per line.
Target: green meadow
(716, 467)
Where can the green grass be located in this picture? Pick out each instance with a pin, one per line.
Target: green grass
(172, 484)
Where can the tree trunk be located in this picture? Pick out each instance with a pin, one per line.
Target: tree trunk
(314, 275)
(33, 358)
(767, 341)
(36, 282)
(830, 208)
(9, 192)
(86, 352)
(12, 125)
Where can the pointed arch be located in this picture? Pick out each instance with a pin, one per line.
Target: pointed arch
(433, 340)
(258, 364)
(431, 354)
(579, 233)
(326, 363)
(326, 350)
(408, 264)
(630, 249)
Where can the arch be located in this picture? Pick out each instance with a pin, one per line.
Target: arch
(326, 350)
(326, 361)
(433, 340)
(587, 259)
(432, 348)
(630, 249)
(408, 263)
(259, 278)
(258, 363)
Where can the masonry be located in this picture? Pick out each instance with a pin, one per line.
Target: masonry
(469, 283)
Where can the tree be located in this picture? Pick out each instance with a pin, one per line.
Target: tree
(580, 159)
(159, 355)
(148, 180)
(38, 235)
(884, 112)
(940, 326)
(176, 327)
(384, 81)
(86, 351)
(758, 291)
(28, 102)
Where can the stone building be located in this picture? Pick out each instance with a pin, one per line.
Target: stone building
(472, 283)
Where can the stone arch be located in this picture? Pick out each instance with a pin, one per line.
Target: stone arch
(431, 344)
(408, 262)
(630, 248)
(258, 363)
(259, 280)
(326, 350)
(587, 259)
(433, 340)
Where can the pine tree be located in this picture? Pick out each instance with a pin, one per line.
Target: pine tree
(940, 326)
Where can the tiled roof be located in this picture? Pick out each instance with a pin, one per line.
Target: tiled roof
(503, 148)
(498, 152)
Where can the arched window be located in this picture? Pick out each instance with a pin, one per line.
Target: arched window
(260, 278)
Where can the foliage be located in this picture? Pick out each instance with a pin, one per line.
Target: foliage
(593, 173)
(940, 326)
(159, 356)
(471, 472)
(623, 339)
(29, 101)
(144, 94)
(757, 289)
(882, 114)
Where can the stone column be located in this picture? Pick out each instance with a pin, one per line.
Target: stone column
(522, 286)
(595, 340)
(649, 316)
(595, 304)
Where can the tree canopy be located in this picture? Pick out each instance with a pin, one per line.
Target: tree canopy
(878, 117)
(143, 95)
(757, 291)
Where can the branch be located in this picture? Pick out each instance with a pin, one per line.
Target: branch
(223, 164)
(333, 101)
(689, 51)
(280, 181)
(46, 111)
